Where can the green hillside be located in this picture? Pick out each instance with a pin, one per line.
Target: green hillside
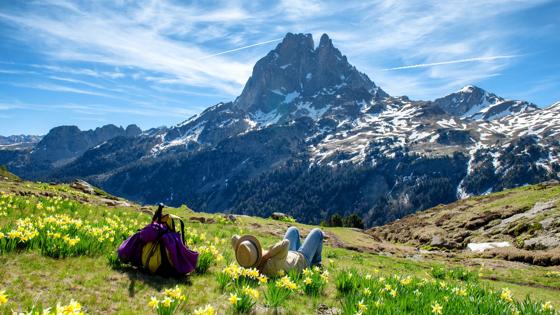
(527, 217)
(57, 245)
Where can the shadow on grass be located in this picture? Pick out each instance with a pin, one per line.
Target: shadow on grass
(155, 281)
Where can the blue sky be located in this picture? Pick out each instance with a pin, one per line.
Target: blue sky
(156, 63)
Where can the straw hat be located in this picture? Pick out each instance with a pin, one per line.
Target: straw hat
(248, 251)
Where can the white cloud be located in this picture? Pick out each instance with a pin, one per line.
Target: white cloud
(240, 48)
(60, 88)
(167, 42)
(111, 38)
(450, 62)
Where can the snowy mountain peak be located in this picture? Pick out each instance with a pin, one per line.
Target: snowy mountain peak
(472, 89)
(555, 106)
(468, 89)
(297, 79)
(472, 102)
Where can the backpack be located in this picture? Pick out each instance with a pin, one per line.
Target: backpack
(159, 248)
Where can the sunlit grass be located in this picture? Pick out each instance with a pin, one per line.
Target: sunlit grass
(55, 250)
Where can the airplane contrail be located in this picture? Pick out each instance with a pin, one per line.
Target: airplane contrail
(423, 65)
(240, 48)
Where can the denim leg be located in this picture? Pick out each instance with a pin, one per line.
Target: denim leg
(312, 247)
(292, 235)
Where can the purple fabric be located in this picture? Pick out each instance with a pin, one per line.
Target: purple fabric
(152, 232)
(183, 259)
(130, 250)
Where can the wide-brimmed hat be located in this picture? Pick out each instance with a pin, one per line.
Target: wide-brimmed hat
(248, 251)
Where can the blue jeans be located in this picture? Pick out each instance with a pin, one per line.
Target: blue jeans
(312, 245)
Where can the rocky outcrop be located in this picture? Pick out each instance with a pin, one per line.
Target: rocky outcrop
(83, 186)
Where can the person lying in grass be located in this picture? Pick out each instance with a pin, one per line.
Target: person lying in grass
(285, 255)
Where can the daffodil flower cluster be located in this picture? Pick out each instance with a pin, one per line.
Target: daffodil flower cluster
(243, 300)
(314, 281)
(237, 276)
(72, 308)
(59, 234)
(205, 310)
(286, 283)
(169, 302)
(371, 294)
(212, 250)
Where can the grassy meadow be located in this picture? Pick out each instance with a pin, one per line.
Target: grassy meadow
(57, 251)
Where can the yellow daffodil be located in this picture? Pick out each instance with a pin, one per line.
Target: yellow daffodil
(506, 295)
(72, 308)
(286, 283)
(175, 293)
(233, 299)
(361, 306)
(263, 279)
(325, 276)
(251, 292)
(207, 310)
(154, 302)
(406, 281)
(167, 301)
(436, 308)
(547, 306)
(3, 297)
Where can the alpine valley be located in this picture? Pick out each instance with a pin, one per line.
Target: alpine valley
(311, 136)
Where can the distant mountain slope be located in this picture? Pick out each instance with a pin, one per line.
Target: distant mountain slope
(526, 217)
(18, 142)
(313, 136)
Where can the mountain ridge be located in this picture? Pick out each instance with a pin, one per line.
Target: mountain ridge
(313, 135)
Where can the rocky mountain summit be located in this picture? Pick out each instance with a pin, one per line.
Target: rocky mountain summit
(312, 136)
(475, 103)
(69, 141)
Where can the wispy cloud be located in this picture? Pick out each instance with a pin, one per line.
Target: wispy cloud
(59, 88)
(171, 39)
(140, 39)
(449, 62)
(182, 56)
(241, 48)
(100, 109)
